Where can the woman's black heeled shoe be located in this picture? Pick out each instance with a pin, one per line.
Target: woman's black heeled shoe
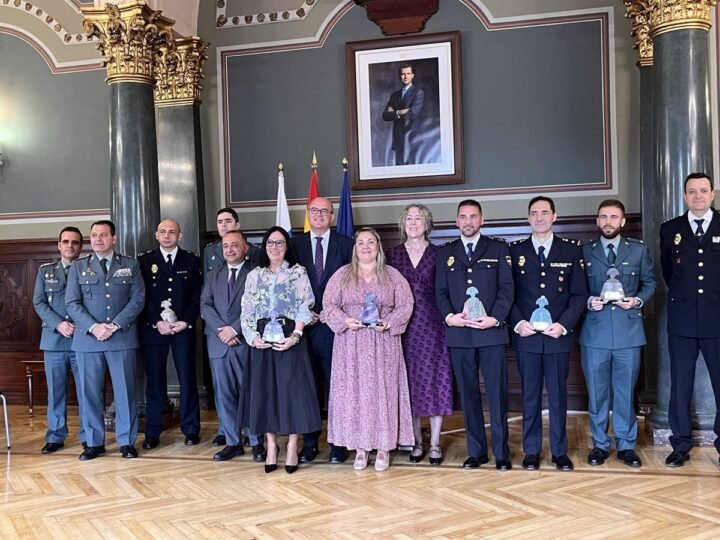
(270, 468)
(291, 468)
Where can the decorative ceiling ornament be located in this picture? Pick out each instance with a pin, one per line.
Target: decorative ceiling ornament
(59, 29)
(298, 13)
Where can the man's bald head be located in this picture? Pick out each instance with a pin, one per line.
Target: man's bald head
(168, 234)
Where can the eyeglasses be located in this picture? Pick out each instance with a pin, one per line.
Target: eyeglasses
(319, 211)
(275, 243)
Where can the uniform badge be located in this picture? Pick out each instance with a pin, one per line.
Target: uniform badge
(508, 258)
(677, 239)
(154, 268)
(521, 260)
(716, 239)
(451, 260)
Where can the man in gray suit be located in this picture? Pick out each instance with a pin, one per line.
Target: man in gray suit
(105, 294)
(220, 307)
(57, 332)
(613, 334)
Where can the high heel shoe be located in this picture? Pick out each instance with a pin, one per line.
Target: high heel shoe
(291, 468)
(270, 467)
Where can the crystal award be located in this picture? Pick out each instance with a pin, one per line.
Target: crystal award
(370, 314)
(540, 319)
(474, 309)
(273, 332)
(612, 290)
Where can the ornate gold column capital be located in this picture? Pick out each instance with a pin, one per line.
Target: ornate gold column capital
(180, 72)
(130, 36)
(638, 11)
(669, 15)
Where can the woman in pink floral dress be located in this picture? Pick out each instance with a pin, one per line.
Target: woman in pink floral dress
(369, 406)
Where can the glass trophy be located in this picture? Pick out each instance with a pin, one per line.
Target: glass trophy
(540, 319)
(474, 309)
(612, 290)
(167, 314)
(370, 314)
(273, 332)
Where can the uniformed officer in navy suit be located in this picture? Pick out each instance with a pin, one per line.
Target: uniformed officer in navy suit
(105, 295)
(690, 260)
(321, 263)
(56, 339)
(613, 334)
(227, 220)
(481, 263)
(173, 281)
(545, 265)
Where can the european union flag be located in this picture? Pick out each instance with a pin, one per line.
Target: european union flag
(345, 225)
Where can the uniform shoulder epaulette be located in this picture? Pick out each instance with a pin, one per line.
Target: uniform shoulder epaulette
(497, 239)
(53, 263)
(144, 253)
(514, 242)
(635, 240)
(211, 243)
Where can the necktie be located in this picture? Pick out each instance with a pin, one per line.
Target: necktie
(611, 254)
(541, 254)
(66, 269)
(470, 250)
(699, 231)
(103, 263)
(318, 257)
(404, 91)
(169, 262)
(232, 282)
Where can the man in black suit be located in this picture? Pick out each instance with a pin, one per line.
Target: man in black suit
(690, 260)
(402, 110)
(321, 251)
(173, 279)
(476, 266)
(545, 265)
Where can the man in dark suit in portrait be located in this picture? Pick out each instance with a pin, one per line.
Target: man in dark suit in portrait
(56, 339)
(321, 251)
(402, 109)
(477, 267)
(173, 280)
(545, 265)
(613, 333)
(227, 220)
(221, 307)
(690, 260)
(105, 295)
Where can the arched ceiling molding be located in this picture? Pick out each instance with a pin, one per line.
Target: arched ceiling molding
(59, 29)
(43, 50)
(297, 12)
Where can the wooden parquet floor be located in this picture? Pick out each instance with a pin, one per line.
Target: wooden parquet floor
(178, 492)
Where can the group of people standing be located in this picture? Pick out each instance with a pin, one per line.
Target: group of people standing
(321, 318)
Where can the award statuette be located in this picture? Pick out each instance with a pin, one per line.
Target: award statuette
(612, 290)
(540, 319)
(273, 332)
(474, 309)
(370, 314)
(167, 314)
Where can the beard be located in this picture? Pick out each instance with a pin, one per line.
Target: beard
(612, 234)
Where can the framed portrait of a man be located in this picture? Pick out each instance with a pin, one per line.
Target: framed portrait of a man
(404, 111)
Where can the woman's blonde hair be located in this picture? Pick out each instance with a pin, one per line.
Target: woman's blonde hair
(424, 212)
(353, 272)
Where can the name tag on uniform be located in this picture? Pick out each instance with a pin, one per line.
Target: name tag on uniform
(560, 265)
(488, 260)
(123, 272)
(716, 239)
(51, 281)
(181, 272)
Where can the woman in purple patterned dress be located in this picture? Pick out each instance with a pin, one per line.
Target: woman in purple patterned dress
(426, 356)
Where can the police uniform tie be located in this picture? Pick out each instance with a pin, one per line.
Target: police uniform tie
(66, 269)
(611, 254)
(233, 281)
(103, 263)
(699, 231)
(169, 262)
(318, 257)
(541, 255)
(470, 250)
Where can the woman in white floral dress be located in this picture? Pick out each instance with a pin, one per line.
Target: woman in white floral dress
(278, 385)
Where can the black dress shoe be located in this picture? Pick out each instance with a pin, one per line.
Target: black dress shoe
(128, 451)
(51, 447)
(338, 454)
(229, 452)
(563, 463)
(308, 454)
(474, 462)
(677, 458)
(598, 456)
(91, 452)
(270, 468)
(219, 440)
(531, 462)
(192, 439)
(84, 445)
(629, 458)
(150, 442)
(259, 453)
(503, 464)
(291, 468)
